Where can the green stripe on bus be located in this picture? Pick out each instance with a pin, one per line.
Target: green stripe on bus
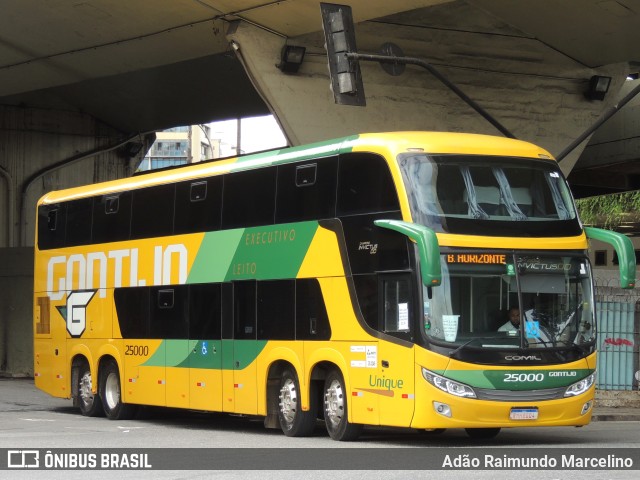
(518, 379)
(270, 252)
(245, 352)
(205, 354)
(239, 354)
(276, 251)
(214, 256)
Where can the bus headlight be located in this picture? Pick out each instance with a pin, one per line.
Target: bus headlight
(446, 385)
(580, 387)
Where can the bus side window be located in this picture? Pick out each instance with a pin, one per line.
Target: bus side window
(276, 310)
(249, 198)
(205, 311)
(79, 220)
(307, 191)
(169, 312)
(132, 308)
(226, 310)
(244, 310)
(111, 218)
(51, 226)
(312, 320)
(152, 212)
(367, 293)
(365, 185)
(198, 206)
(396, 304)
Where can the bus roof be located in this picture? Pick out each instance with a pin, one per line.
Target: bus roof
(390, 144)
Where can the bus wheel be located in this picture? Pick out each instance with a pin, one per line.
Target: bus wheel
(295, 422)
(482, 432)
(336, 410)
(114, 409)
(89, 404)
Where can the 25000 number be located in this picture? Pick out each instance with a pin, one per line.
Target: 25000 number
(524, 377)
(136, 350)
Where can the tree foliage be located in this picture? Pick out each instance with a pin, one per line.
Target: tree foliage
(610, 211)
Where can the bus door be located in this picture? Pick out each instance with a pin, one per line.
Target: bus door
(238, 345)
(394, 380)
(169, 322)
(205, 345)
(245, 347)
(50, 359)
(143, 377)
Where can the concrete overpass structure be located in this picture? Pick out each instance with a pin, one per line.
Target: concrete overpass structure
(84, 84)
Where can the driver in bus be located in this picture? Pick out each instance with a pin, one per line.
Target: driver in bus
(513, 323)
(534, 331)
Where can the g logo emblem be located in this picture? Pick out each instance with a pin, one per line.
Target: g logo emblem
(76, 315)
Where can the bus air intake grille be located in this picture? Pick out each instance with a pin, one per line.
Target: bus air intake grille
(520, 395)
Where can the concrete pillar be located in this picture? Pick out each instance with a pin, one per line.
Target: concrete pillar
(33, 144)
(16, 331)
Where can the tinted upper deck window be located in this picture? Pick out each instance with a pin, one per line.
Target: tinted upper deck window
(249, 198)
(365, 185)
(198, 205)
(152, 212)
(51, 226)
(79, 222)
(111, 218)
(307, 191)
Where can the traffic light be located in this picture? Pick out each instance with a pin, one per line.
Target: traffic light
(340, 40)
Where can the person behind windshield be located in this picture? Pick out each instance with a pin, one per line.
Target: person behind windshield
(534, 331)
(514, 321)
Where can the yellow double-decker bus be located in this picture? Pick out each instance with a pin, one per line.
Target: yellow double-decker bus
(410, 279)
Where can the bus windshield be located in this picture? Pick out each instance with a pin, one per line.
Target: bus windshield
(485, 195)
(499, 301)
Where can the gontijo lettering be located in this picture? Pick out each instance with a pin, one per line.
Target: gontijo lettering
(79, 271)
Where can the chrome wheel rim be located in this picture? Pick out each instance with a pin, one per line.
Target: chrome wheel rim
(84, 389)
(334, 403)
(112, 391)
(288, 401)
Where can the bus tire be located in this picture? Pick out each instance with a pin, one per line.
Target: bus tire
(336, 411)
(482, 432)
(90, 405)
(110, 394)
(295, 422)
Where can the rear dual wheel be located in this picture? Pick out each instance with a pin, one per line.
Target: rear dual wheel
(89, 403)
(336, 409)
(294, 421)
(110, 394)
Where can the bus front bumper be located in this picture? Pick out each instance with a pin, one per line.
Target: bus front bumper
(437, 409)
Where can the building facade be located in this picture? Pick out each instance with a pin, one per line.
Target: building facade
(180, 146)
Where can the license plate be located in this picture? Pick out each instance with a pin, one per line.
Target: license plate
(524, 414)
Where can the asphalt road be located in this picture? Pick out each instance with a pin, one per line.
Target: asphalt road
(30, 419)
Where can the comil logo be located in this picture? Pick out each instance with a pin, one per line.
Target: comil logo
(75, 312)
(23, 459)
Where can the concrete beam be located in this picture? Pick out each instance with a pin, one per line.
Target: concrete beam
(532, 89)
